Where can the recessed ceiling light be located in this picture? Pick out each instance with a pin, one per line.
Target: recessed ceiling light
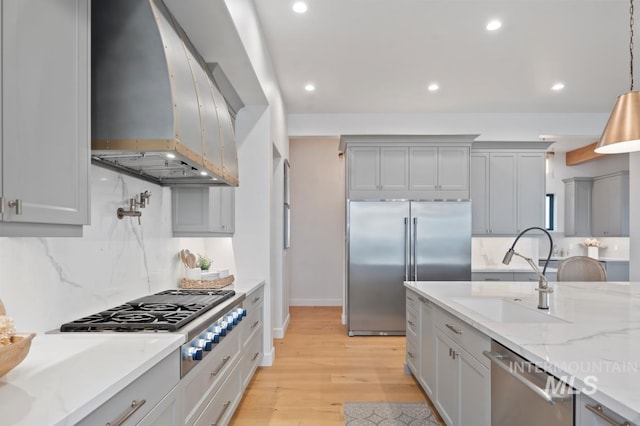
(169, 155)
(557, 86)
(309, 87)
(494, 25)
(300, 7)
(433, 87)
(203, 173)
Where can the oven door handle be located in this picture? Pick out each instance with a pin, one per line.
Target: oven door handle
(499, 360)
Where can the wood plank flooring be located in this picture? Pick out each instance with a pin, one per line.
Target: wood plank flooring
(318, 367)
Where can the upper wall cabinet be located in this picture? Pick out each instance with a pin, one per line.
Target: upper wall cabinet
(44, 155)
(408, 167)
(507, 187)
(577, 206)
(610, 205)
(203, 211)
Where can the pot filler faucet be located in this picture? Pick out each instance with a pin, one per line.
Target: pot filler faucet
(543, 285)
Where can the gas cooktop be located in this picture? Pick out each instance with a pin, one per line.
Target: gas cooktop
(167, 310)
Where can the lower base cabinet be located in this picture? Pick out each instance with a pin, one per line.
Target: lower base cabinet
(592, 413)
(453, 372)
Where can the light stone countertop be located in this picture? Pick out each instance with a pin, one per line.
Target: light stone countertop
(601, 338)
(66, 376)
(506, 269)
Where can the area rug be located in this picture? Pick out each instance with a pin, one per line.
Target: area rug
(388, 414)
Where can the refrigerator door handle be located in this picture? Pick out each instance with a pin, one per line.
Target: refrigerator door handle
(415, 251)
(406, 249)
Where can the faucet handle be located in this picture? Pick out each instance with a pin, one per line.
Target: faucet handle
(545, 289)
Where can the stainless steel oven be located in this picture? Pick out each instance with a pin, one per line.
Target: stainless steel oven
(522, 394)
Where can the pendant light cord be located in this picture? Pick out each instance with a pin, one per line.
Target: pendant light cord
(631, 42)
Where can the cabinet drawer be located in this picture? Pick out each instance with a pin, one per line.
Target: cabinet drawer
(591, 413)
(220, 409)
(412, 321)
(412, 357)
(412, 301)
(462, 333)
(251, 357)
(202, 382)
(151, 387)
(251, 323)
(254, 298)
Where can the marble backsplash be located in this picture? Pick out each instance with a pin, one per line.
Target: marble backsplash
(45, 282)
(489, 252)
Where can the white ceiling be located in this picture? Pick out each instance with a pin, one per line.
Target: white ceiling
(378, 56)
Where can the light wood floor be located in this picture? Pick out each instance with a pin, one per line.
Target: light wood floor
(318, 367)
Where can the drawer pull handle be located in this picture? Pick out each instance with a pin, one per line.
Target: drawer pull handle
(411, 323)
(135, 406)
(411, 354)
(224, 409)
(410, 298)
(422, 299)
(254, 324)
(255, 300)
(597, 410)
(224, 361)
(255, 356)
(454, 329)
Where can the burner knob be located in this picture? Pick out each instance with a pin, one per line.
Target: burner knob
(194, 354)
(226, 325)
(211, 336)
(217, 329)
(232, 320)
(242, 312)
(202, 344)
(239, 312)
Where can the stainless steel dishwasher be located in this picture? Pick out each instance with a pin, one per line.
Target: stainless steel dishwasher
(524, 395)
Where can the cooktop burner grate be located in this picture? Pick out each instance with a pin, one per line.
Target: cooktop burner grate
(165, 311)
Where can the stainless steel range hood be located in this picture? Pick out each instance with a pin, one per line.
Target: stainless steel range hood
(156, 112)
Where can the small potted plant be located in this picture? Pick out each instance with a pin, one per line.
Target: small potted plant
(204, 262)
(592, 245)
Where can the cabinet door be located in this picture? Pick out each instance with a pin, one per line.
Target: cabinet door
(202, 211)
(167, 412)
(599, 199)
(423, 169)
(364, 169)
(427, 349)
(447, 380)
(531, 190)
(479, 193)
(502, 193)
(610, 206)
(453, 169)
(475, 391)
(394, 169)
(585, 416)
(45, 107)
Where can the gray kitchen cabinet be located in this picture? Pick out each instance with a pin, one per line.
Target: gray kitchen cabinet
(507, 191)
(590, 412)
(203, 211)
(44, 155)
(610, 205)
(378, 169)
(531, 189)
(577, 206)
(617, 270)
(439, 172)
(427, 343)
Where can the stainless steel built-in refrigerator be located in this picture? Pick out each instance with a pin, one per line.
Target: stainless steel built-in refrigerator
(390, 242)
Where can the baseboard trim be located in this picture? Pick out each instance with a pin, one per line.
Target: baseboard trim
(278, 333)
(315, 302)
(267, 358)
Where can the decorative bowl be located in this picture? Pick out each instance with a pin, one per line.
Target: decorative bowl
(14, 353)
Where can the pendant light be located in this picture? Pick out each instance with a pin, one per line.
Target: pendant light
(622, 133)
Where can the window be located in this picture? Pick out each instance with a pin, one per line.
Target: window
(549, 218)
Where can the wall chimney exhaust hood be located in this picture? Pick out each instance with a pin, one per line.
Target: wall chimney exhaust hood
(156, 111)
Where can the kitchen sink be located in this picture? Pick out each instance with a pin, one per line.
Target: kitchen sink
(504, 310)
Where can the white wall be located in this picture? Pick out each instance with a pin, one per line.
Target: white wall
(262, 177)
(317, 222)
(48, 281)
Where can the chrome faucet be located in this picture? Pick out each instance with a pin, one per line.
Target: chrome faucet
(543, 285)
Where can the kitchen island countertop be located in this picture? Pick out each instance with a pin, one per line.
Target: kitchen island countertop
(66, 376)
(601, 338)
